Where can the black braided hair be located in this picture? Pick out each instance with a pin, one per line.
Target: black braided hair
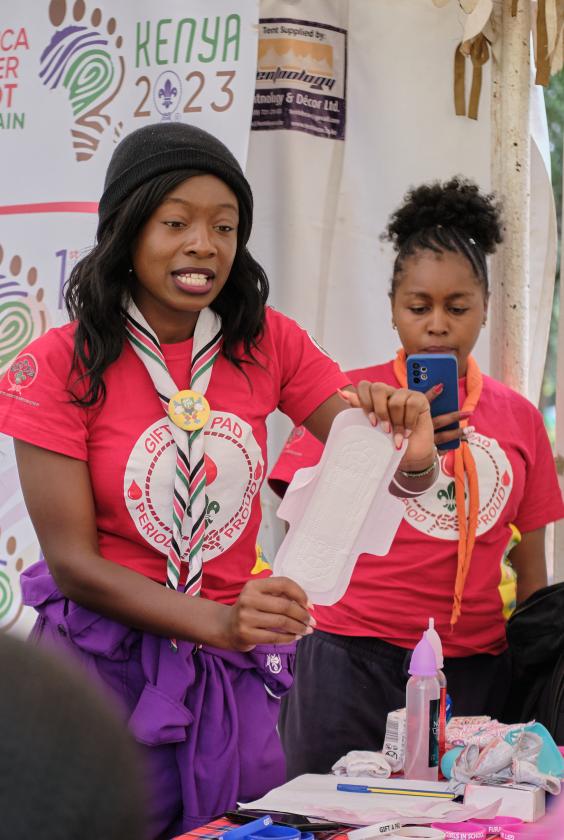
(451, 216)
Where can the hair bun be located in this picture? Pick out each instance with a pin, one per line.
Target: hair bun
(457, 203)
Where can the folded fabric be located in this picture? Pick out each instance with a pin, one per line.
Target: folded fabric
(479, 730)
(362, 763)
(495, 756)
(525, 771)
(549, 759)
(500, 760)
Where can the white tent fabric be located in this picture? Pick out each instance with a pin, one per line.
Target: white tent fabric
(322, 203)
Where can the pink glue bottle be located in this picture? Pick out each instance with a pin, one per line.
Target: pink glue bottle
(422, 714)
(435, 641)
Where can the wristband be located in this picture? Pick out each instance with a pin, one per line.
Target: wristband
(369, 832)
(515, 832)
(468, 830)
(416, 832)
(420, 473)
(495, 825)
(408, 494)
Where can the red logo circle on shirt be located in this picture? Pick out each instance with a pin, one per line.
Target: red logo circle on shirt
(434, 512)
(234, 472)
(22, 372)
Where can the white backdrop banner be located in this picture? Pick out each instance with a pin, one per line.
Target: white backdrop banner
(75, 77)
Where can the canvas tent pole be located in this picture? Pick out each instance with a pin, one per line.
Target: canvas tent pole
(509, 306)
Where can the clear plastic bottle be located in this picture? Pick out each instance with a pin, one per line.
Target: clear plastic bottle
(422, 713)
(435, 641)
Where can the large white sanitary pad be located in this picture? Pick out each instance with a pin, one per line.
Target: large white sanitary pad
(340, 508)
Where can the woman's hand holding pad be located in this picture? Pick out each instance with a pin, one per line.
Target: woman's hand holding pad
(404, 413)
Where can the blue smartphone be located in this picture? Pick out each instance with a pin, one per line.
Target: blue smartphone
(427, 369)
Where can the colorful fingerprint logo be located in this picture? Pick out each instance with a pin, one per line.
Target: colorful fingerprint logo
(82, 59)
(11, 605)
(23, 314)
(6, 593)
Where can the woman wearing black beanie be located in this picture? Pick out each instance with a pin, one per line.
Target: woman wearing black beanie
(140, 434)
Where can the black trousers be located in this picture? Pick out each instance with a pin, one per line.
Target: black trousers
(345, 686)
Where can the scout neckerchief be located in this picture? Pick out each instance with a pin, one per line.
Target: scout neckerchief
(464, 469)
(188, 412)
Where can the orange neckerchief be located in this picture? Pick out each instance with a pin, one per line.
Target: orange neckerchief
(464, 470)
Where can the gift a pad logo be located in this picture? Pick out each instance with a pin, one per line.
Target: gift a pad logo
(234, 472)
(434, 512)
(22, 372)
(83, 58)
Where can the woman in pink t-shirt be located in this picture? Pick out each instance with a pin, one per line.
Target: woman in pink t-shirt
(140, 434)
(353, 670)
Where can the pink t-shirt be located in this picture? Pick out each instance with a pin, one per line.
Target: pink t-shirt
(129, 448)
(393, 597)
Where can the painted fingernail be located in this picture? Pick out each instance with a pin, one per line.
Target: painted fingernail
(386, 427)
(398, 440)
(310, 606)
(308, 631)
(467, 430)
(373, 419)
(297, 638)
(407, 433)
(344, 395)
(312, 622)
(437, 389)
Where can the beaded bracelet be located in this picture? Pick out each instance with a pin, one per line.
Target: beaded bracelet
(420, 473)
(410, 492)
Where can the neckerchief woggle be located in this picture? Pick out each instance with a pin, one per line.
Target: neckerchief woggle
(187, 412)
(464, 470)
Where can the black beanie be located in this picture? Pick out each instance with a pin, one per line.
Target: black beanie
(165, 147)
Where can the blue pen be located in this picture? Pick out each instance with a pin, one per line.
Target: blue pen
(398, 791)
(247, 829)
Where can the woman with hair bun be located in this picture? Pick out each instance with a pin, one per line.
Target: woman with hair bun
(352, 671)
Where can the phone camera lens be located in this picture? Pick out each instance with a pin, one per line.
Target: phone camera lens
(416, 364)
(423, 370)
(416, 380)
(423, 376)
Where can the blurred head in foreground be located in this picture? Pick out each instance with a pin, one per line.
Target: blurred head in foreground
(68, 768)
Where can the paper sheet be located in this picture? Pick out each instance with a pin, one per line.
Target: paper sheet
(317, 796)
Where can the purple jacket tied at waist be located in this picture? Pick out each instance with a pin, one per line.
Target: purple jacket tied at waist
(216, 708)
